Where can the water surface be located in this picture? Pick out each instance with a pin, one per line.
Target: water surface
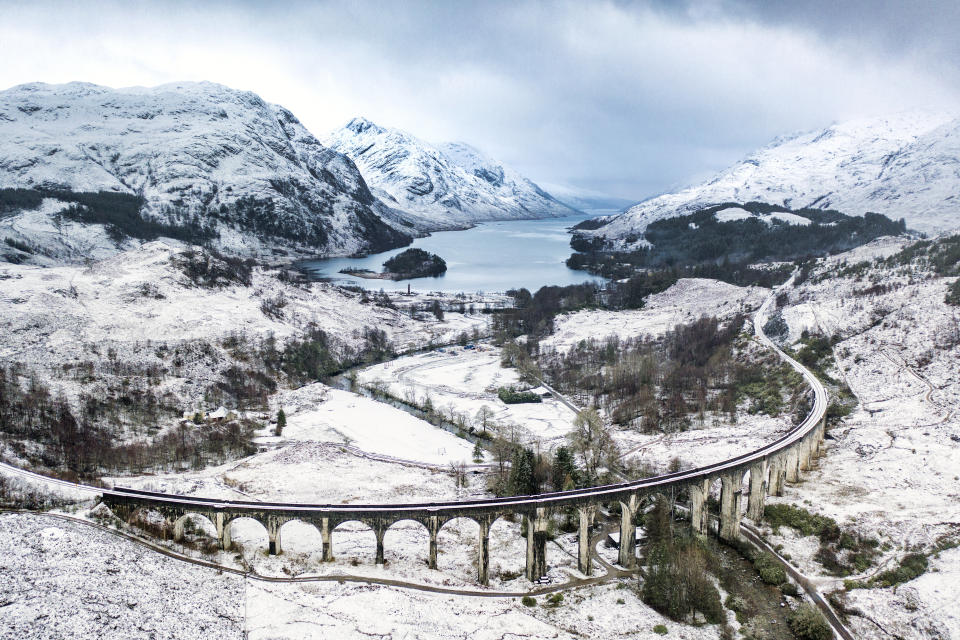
(491, 257)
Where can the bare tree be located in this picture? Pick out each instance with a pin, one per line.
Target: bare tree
(459, 472)
(484, 414)
(593, 442)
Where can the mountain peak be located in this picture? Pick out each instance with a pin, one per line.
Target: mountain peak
(903, 165)
(363, 125)
(441, 186)
(200, 155)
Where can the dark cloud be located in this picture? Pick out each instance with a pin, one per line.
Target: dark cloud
(928, 26)
(628, 98)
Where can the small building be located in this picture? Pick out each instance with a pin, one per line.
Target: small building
(221, 414)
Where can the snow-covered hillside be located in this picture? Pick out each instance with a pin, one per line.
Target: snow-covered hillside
(903, 166)
(684, 302)
(444, 186)
(196, 152)
(139, 308)
(890, 468)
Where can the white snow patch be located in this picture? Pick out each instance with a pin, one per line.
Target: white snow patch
(686, 301)
(462, 382)
(375, 427)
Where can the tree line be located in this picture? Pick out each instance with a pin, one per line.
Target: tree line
(82, 442)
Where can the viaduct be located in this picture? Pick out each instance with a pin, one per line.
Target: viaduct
(763, 472)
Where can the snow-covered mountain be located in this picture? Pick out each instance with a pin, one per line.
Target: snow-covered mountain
(196, 152)
(903, 166)
(440, 186)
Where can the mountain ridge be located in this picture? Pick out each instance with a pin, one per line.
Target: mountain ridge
(903, 166)
(195, 151)
(447, 185)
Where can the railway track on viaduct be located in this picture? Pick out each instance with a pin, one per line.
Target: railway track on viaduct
(766, 468)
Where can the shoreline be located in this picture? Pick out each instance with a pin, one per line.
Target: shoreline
(370, 275)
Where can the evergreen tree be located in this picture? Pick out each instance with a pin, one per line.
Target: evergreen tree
(807, 623)
(658, 522)
(521, 472)
(281, 421)
(953, 294)
(477, 452)
(532, 463)
(564, 472)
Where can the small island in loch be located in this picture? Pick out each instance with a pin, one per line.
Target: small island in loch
(412, 263)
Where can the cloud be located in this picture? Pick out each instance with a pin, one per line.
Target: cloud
(626, 98)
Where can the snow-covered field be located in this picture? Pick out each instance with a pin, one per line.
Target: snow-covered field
(340, 611)
(924, 608)
(465, 381)
(318, 413)
(687, 300)
(337, 447)
(71, 581)
(67, 580)
(713, 441)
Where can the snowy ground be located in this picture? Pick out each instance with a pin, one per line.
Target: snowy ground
(70, 581)
(67, 307)
(318, 413)
(383, 612)
(66, 580)
(68, 240)
(136, 311)
(891, 469)
(391, 456)
(713, 441)
(687, 300)
(924, 608)
(465, 381)
(892, 466)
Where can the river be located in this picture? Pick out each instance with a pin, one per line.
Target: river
(491, 257)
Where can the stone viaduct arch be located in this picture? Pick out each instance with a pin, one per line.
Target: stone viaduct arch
(762, 475)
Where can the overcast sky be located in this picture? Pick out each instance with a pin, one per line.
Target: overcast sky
(630, 99)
